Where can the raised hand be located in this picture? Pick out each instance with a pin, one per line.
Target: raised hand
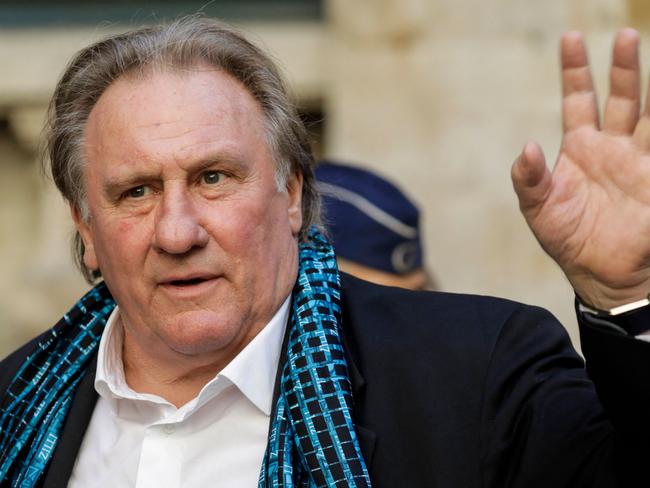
(591, 214)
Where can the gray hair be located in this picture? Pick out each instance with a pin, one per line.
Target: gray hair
(183, 44)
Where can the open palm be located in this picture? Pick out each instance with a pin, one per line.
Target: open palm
(592, 213)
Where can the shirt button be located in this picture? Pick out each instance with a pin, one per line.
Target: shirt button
(169, 429)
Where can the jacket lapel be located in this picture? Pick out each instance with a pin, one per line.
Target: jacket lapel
(81, 410)
(367, 437)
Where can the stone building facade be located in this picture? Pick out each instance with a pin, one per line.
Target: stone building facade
(438, 94)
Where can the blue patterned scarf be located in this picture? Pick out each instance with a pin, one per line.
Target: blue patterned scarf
(312, 439)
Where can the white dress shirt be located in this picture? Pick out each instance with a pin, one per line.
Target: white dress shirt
(217, 439)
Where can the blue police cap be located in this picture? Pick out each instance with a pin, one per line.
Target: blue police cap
(371, 222)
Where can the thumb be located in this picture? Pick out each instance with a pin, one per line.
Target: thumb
(531, 178)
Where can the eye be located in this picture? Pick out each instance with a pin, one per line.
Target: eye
(138, 191)
(211, 177)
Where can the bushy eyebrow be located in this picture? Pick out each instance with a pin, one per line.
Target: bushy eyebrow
(216, 161)
(118, 184)
(115, 186)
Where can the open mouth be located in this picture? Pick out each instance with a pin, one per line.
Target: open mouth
(190, 282)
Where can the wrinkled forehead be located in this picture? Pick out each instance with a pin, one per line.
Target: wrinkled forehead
(186, 80)
(164, 102)
(170, 116)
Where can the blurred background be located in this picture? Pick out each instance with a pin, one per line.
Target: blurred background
(439, 95)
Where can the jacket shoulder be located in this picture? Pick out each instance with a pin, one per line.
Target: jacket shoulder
(398, 328)
(10, 365)
(421, 315)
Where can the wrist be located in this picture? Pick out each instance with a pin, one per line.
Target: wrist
(610, 299)
(632, 319)
(619, 309)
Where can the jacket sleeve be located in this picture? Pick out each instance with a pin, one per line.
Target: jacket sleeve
(619, 365)
(543, 424)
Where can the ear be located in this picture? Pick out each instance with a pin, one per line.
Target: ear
(84, 229)
(294, 209)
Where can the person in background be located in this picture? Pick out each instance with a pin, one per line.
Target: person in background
(373, 225)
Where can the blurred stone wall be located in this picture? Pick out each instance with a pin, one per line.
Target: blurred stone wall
(438, 94)
(441, 95)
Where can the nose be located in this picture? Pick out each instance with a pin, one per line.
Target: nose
(178, 229)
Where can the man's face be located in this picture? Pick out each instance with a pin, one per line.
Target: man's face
(186, 224)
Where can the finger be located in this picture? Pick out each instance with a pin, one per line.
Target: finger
(531, 178)
(641, 135)
(579, 106)
(624, 102)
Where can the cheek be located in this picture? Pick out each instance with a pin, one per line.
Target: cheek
(124, 230)
(239, 234)
(251, 233)
(122, 242)
(235, 219)
(266, 225)
(272, 235)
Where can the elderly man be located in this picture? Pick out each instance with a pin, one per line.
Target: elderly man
(223, 348)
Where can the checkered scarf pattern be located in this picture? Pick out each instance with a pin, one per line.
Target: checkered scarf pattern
(34, 407)
(312, 442)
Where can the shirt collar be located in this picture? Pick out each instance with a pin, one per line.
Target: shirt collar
(109, 376)
(252, 371)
